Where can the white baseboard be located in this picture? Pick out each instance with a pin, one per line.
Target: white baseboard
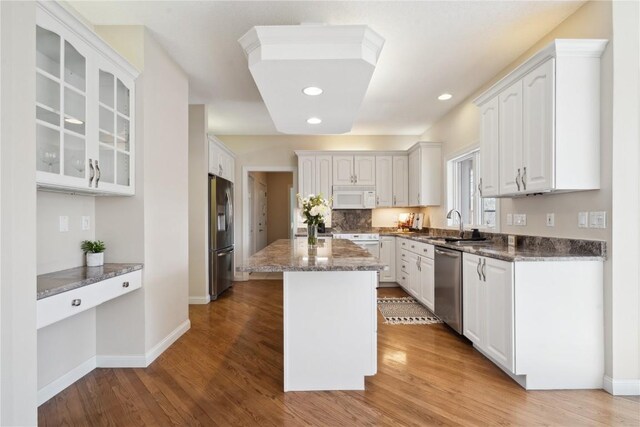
(59, 384)
(117, 361)
(199, 300)
(164, 344)
(622, 387)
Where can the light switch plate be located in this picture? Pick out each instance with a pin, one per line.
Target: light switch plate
(598, 219)
(64, 224)
(551, 220)
(509, 219)
(86, 223)
(583, 220)
(511, 241)
(520, 220)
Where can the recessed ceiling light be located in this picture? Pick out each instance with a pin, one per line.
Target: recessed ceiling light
(314, 121)
(445, 97)
(73, 121)
(312, 91)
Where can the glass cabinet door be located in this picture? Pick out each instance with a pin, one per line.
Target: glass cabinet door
(114, 130)
(61, 107)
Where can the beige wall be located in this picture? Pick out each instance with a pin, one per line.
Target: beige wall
(61, 250)
(278, 184)
(18, 363)
(198, 205)
(278, 151)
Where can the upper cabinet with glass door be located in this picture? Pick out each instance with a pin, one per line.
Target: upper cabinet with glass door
(84, 104)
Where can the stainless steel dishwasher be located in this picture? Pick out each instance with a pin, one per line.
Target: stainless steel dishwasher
(448, 287)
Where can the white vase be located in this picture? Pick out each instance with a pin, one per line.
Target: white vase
(95, 259)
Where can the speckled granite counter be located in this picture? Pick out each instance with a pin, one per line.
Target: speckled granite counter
(296, 255)
(62, 281)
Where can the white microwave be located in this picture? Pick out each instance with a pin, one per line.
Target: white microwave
(354, 197)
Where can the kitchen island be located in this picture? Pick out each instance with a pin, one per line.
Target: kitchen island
(329, 311)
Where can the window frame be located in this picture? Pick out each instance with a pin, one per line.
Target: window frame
(453, 189)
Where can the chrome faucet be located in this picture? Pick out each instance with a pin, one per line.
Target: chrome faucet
(450, 214)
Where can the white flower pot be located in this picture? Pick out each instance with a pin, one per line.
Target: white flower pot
(95, 260)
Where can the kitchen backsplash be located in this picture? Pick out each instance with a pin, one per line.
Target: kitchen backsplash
(351, 219)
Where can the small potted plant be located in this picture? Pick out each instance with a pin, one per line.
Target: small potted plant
(94, 250)
(315, 210)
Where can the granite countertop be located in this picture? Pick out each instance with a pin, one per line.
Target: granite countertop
(297, 255)
(62, 281)
(573, 250)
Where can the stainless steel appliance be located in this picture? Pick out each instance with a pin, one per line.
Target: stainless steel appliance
(354, 197)
(368, 241)
(220, 235)
(448, 287)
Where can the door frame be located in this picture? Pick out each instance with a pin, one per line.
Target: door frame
(245, 206)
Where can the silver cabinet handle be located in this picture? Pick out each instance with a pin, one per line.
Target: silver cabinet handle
(518, 179)
(404, 244)
(484, 269)
(394, 200)
(97, 174)
(378, 200)
(125, 284)
(480, 187)
(418, 264)
(478, 268)
(418, 197)
(524, 178)
(76, 302)
(402, 255)
(92, 172)
(355, 179)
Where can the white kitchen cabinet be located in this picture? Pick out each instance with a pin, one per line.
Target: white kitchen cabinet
(488, 303)
(537, 141)
(343, 170)
(548, 122)
(402, 272)
(510, 134)
(84, 109)
(489, 149)
(384, 181)
(400, 181)
(425, 171)
(221, 159)
(324, 178)
(306, 175)
(354, 170)
(427, 276)
(388, 258)
(516, 314)
(414, 275)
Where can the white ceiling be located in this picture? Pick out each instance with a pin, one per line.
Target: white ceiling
(431, 47)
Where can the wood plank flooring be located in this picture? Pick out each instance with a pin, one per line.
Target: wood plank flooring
(227, 370)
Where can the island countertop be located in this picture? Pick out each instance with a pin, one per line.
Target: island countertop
(62, 281)
(297, 255)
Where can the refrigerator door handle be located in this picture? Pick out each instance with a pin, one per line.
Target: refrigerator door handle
(225, 252)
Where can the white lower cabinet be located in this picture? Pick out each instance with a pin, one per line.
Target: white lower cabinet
(388, 258)
(66, 304)
(427, 288)
(541, 322)
(415, 271)
(402, 275)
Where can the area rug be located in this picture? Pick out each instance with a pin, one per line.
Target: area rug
(405, 311)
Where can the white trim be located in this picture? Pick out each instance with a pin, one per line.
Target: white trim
(621, 387)
(166, 342)
(199, 300)
(245, 207)
(59, 384)
(119, 361)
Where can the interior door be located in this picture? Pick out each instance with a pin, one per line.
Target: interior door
(261, 216)
(538, 138)
(489, 149)
(384, 181)
(510, 125)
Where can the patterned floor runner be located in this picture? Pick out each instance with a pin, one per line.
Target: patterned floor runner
(405, 311)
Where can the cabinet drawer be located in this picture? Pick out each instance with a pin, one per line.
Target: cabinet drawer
(403, 279)
(404, 267)
(427, 250)
(67, 304)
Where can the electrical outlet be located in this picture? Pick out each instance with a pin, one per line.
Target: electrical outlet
(64, 224)
(509, 219)
(598, 219)
(551, 220)
(520, 220)
(582, 220)
(511, 241)
(86, 223)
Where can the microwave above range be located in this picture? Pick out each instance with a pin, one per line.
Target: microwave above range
(354, 197)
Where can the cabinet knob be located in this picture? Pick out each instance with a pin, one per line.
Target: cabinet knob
(125, 284)
(76, 302)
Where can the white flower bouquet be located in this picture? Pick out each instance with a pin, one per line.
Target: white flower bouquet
(315, 209)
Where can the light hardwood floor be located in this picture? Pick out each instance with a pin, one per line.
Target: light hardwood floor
(227, 370)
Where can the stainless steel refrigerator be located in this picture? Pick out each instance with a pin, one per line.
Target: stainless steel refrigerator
(220, 235)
